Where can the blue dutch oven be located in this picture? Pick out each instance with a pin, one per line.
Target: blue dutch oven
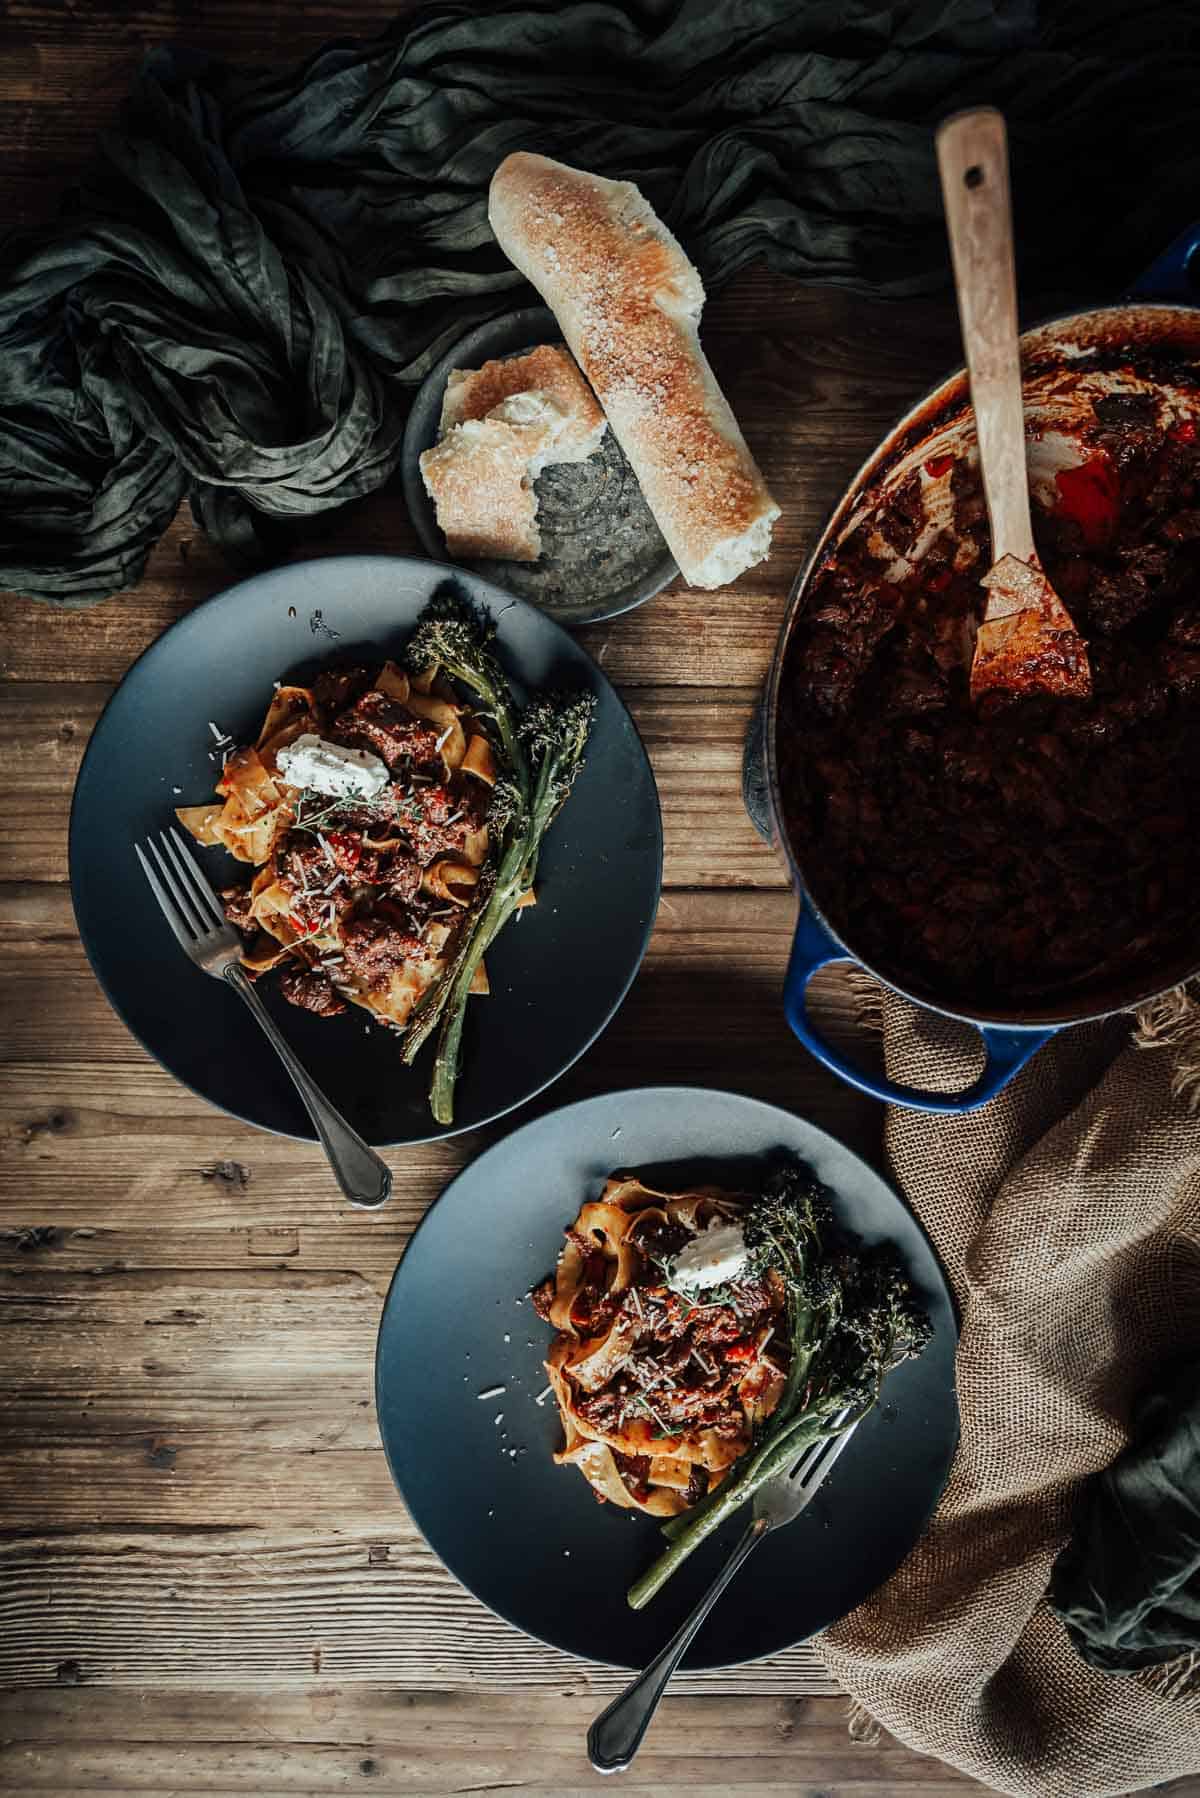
(1063, 377)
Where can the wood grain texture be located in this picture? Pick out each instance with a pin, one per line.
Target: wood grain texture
(372, 1607)
(203, 1191)
(417, 1743)
(330, 1740)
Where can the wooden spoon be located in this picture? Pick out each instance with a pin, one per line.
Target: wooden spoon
(1026, 641)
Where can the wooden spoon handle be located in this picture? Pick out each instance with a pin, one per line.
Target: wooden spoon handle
(972, 153)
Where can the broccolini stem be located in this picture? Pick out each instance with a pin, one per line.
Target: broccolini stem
(776, 1455)
(729, 1497)
(802, 1354)
(432, 1002)
(513, 879)
(499, 710)
(453, 1009)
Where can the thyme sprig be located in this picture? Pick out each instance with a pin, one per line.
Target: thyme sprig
(332, 808)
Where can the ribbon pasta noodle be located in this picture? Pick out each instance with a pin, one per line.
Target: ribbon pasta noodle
(659, 1393)
(356, 900)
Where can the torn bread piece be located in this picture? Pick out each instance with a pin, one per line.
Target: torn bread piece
(548, 371)
(540, 422)
(628, 302)
(480, 479)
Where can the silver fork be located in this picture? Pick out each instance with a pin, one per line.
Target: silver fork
(205, 935)
(616, 1735)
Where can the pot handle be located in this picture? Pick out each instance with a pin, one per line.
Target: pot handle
(1007, 1050)
(1175, 274)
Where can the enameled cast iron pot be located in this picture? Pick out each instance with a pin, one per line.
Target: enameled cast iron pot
(1067, 363)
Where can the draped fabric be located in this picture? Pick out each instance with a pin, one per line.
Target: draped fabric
(1127, 1585)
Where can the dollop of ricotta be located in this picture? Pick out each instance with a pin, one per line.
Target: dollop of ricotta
(718, 1254)
(332, 769)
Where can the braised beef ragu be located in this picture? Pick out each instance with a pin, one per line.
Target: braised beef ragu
(378, 941)
(690, 1364)
(236, 902)
(335, 688)
(387, 729)
(310, 989)
(437, 823)
(1027, 846)
(360, 866)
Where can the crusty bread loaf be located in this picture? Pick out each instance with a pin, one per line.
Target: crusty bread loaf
(547, 370)
(480, 478)
(628, 301)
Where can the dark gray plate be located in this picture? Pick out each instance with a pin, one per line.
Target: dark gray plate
(558, 973)
(602, 552)
(529, 1538)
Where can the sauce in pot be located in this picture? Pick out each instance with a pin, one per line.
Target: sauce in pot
(1027, 847)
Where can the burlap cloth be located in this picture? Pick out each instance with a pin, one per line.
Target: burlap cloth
(1067, 1216)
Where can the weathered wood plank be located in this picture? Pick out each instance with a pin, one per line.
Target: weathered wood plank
(679, 638)
(742, 928)
(205, 1192)
(67, 1136)
(147, 1484)
(105, 1161)
(53, 1010)
(254, 1607)
(405, 1741)
(327, 1713)
(119, 1144)
(330, 1739)
(197, 1359)
(418, 1769)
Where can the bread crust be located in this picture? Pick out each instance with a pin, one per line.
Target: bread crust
(547, 369)
(628, 302)
(478, 478)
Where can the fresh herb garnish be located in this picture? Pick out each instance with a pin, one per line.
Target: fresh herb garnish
(326, 809)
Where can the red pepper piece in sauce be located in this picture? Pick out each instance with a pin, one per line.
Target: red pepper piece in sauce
(937, 466)
(1183, 432)
(739, 1351)
(347, 846)
(1090, 496)
(939, 581)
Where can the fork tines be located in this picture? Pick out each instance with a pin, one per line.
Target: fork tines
(185, 898)
(812, 1467)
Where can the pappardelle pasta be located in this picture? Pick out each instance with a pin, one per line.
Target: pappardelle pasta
(660, 1390)
(355, 897)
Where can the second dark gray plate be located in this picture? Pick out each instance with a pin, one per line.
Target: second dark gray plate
(602, 552)
(527, 1537)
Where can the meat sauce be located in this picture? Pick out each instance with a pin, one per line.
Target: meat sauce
(1024, 847)
(690, 1363)
(361, 867)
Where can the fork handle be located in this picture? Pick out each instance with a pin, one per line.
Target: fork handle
(616, 1735)
(363, 1177)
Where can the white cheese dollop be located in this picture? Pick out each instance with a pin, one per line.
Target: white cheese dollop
(332, 769)
(716, 1255)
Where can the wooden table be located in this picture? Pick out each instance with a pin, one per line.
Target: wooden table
(208, 1580)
